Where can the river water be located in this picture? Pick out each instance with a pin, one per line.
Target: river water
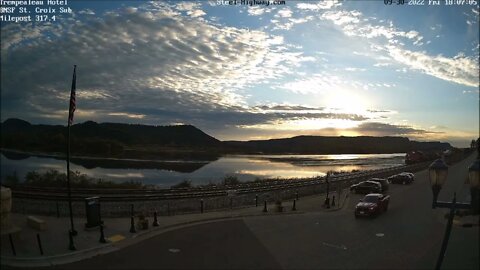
(167, 173)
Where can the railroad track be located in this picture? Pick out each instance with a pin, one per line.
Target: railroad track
(79, 194)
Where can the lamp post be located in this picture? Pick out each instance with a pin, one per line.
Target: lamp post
(437, 173)
(327, 199)
(474, 180)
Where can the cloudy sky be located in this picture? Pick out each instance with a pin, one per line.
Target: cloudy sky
(252, 72)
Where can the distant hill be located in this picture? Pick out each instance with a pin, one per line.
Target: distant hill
(336, 145)
(184, 141)
(106, 139)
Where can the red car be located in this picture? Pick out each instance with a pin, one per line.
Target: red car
(372, 204)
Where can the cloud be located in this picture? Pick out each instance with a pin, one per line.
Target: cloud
(342, 17)
(187, 6)
(458, 69)
(284, 13)
(319, 6)
(286, 107)
(153, 64)
(383, 129)
(382, 64)
(87, 11)
(255, 11)
(325, 82)
(471, 92)
(129, 115)
(196, 13)
(354, 69)
(472, 17)
(193, 9)
(288, 23)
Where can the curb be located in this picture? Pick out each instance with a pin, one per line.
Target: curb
(44, 261)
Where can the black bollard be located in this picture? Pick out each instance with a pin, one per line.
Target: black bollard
(294, 208)
(71, 245)
(265, 206)
(155, 220)
(102, 235)
(201, 206)
(256, 200)
(39, 244)
(333, 200)
(132, 225)
(11, 244)
(58, 210)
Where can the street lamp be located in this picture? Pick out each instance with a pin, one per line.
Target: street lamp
(437, 173)
(474, 180)
(327, 199)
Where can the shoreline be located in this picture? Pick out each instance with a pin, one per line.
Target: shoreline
(285, 157)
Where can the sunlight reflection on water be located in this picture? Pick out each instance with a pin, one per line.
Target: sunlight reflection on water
(244, 167)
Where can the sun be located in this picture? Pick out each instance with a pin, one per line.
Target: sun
(344, 101)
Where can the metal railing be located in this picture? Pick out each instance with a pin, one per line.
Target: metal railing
(79, 194)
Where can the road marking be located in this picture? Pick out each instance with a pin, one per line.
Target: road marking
(335, 246)
(115, 238)
(174, 250)
(380, 234)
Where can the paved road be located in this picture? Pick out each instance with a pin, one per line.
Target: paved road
(408, 236)
(216, 245)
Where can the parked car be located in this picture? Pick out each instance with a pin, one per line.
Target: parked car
(383, 182)
(401, 178)
(372, 204)
(366, 187)
(409, 174)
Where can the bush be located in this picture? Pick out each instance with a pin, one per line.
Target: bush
(230, 180)
(53, 178)
(258, 180)
(12, 180)
(183, 184)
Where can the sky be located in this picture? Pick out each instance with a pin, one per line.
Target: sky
(245, 72)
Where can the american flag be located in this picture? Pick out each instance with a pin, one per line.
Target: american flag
(72, 96)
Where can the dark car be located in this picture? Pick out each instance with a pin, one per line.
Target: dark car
(409, 174)
(372, 204)
(383, 182)
(401, 178)
(366, 187)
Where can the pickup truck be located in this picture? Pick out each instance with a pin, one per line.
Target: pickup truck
(372, 204)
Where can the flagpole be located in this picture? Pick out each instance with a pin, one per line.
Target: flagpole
(72, 232)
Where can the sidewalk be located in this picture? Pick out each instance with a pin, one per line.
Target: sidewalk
(55, 239)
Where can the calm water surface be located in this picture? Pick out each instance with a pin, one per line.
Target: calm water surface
(245, 167)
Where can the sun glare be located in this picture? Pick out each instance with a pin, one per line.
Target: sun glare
(316, 124)
(347, 102)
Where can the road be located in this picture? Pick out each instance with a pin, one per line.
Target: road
(408, 236)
